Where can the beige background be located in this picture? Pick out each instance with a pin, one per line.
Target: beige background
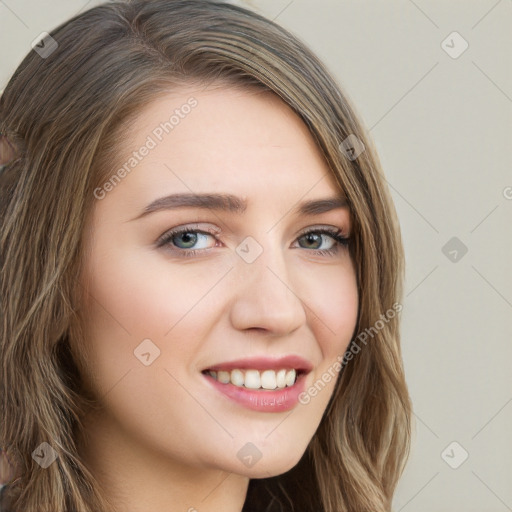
(442, 126)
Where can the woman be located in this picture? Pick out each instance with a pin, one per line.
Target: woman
(171, 340)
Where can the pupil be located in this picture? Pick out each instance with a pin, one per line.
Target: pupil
(311, 237)
(188, 238)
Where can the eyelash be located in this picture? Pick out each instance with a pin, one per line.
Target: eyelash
(336, 234)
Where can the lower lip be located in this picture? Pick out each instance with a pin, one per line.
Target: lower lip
(262, 400)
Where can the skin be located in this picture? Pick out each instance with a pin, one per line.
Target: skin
(165, 440)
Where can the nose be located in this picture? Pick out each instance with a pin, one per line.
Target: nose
(265, 297)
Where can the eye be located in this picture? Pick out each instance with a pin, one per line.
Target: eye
(186, 238)
(190, 241)
(319, 235)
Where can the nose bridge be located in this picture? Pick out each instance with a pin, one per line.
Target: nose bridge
(266, 295)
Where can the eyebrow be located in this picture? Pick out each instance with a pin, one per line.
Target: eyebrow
(234, 204)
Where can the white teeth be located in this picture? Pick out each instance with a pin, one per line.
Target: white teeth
(290, 377)
(281, 378)
(223, 377)
(268, 379)
(237, 378)
(254, 379)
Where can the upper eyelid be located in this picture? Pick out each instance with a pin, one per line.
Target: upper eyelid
(216, 231)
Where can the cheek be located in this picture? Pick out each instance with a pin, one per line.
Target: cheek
(331, 297)
(332, 305)
(146, 296)
(132, 298)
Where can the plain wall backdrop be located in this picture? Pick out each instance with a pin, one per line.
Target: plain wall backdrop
(432, 80)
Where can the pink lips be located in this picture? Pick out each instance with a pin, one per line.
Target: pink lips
(263, 400)
(265, 363)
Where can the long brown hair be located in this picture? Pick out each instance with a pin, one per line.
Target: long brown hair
(64, 111)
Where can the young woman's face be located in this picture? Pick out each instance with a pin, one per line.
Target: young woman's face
(234, 284)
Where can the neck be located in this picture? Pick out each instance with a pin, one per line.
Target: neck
(135, 477)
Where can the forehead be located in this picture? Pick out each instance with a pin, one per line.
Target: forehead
(222, 139)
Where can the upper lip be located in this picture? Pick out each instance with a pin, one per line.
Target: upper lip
(265, 363)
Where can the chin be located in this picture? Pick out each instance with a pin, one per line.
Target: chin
(274, 465)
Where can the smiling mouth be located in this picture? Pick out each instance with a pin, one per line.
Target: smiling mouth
(265, 380)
